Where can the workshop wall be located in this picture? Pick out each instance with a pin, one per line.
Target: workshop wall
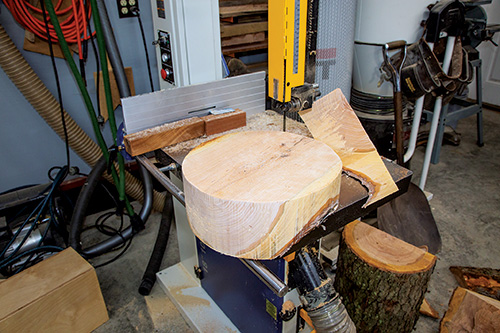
(29, 147)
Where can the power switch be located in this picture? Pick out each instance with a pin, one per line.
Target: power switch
(167, 69)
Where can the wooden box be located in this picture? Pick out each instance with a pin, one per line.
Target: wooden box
(60, 294)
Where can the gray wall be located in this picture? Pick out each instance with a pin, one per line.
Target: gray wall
(28, 146)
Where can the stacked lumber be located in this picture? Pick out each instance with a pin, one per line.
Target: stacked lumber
(243, 26)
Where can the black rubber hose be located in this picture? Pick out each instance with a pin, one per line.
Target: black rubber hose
(80, 210)
(114, 55)
(149, 277)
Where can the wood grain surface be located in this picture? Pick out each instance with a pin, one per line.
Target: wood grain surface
(60, 294)
(253, 194)
(332, 121)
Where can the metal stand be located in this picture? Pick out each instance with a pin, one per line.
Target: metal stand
(468, 109)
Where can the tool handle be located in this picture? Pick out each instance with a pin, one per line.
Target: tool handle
(398, 124)
(397, 44)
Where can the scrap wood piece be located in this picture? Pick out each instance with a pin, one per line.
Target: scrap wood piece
(469, 311)
(59, 294)
(381, 279)
(254, 194)
(163, 135)
(485, 281)
(333, 121)
(218, 123)
(115, 94)
(427, 310)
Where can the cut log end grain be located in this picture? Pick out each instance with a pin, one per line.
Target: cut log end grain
(386, 252)
(254, 194)
(333, 121)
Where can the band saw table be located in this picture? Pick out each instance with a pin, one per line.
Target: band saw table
(215, 292)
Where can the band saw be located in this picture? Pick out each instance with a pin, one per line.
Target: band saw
(212, 290)
(215, 292)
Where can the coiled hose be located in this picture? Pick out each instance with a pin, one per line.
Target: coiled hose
(42, 100)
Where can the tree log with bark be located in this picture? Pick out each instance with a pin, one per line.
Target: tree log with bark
(382, 279)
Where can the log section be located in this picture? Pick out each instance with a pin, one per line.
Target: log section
(333, 121)
(253, 194)
(381, 279)
(469, 311)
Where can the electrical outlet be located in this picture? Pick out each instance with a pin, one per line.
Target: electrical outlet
(125, 7)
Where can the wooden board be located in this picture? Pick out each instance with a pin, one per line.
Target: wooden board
(333, 121)
(243, 39)
(224, 122)
(115, 94)
(471, 312)
(254, 194)
(229, 30)
(382, 279)
(60, 294)
(163, 135)
(230, 11)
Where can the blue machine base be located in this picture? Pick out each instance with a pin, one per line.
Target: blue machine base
(245, 300)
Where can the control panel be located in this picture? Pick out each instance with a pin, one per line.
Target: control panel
(167, 69)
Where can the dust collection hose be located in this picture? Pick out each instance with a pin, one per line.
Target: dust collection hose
(80, 210)
(149, 277)
(42, 100)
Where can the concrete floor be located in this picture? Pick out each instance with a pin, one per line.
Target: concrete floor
(466, 207)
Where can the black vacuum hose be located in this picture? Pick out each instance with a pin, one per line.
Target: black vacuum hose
(149, 277)
(80, 210)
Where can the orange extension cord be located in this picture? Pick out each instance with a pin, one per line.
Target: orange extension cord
(74, 26)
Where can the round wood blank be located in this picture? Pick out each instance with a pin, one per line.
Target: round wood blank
(254, 194)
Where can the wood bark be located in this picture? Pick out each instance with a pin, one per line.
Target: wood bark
(254, 194)
(469, 311)
(382, 279)
(485, 281)
(333, 121)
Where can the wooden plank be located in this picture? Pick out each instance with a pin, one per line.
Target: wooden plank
(164, 135)
(224, 122)
(242, 10)
(333, 121)
(228, 3)
(60, 294)
(229, 30)
(230, 50)
(253, 194)
(469, 311)
(115, 94)
(243, 39)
